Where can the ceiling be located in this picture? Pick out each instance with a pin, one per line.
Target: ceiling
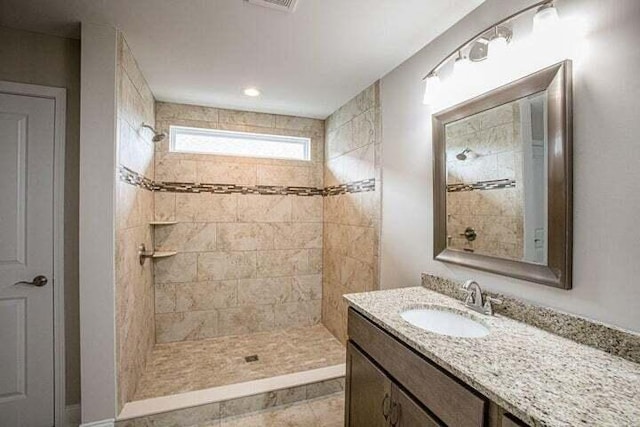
(206, 52)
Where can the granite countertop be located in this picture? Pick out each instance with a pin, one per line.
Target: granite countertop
(543, 379)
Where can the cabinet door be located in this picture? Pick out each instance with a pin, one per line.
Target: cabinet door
(405, 412)
(368, 392)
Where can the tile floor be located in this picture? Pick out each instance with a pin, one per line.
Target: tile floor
(322, 412)
(194, 365)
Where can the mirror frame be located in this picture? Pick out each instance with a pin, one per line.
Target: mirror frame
(557, 81)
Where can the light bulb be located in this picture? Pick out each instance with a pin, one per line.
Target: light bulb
(546, 18)
(497, 48)
(432, 89)
(462, 68)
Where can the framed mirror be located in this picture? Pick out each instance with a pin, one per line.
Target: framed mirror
(503, 180)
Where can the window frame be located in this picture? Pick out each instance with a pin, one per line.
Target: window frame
(174, 130)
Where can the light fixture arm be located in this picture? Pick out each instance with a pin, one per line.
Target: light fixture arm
(493, 27)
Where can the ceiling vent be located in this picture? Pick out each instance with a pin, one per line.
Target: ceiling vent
(283, 5)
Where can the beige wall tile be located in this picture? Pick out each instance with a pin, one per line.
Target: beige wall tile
(135, 150)
(264, 208)
(282, 263)
(264, 291)
(305, 288)
(167, 111)
(291, 176)
(245, 236)
(247, 118)
(246, 319)
(171, 169)
(226, 173)
(226, 265)
(164, 206)
(292, 235)
(206, 295)
(186, 237)
(178, 268)
(165, 298)
(298, 314)
(186, 326)
(300, 123)
(306, 208)
(206, 207)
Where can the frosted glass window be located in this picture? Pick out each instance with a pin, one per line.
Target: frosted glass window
(244, 144)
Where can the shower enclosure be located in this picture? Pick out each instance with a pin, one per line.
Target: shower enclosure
(231, 268)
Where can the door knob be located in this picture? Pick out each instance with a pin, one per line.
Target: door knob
(38, 281)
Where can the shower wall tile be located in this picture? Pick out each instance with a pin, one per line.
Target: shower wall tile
(206, 295)
(226, 265)
(182, 267)
(350, 260)
(188, 325)
(223, 173)
(246, 319)
(135, 324)
(186, 237)
(306, 209)
(242, 236)
(206, 207)
(298, 314)
(164, 205)
(248, 118)
(241, 258)
(292, 176)
(264, 208)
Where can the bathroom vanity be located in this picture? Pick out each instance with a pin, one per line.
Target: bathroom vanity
(399, 374)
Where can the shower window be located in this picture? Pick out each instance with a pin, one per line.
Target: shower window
(244, 144)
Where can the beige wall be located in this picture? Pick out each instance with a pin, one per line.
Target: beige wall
(606, 128)
(53, 61)
(134, 210)
(351, 220)
(245, 263)
(497, 215)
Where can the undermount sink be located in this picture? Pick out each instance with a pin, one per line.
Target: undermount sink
(445, 322)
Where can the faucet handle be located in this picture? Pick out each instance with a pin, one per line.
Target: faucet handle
(488, 304)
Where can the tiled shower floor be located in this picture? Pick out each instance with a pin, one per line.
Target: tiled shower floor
(195, 365)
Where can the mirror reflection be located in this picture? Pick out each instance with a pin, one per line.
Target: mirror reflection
(496, 197)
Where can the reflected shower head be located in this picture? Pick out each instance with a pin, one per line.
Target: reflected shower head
(463, 154)
(157, 136)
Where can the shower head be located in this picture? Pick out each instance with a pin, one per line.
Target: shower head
(157, 136)
(463, 154)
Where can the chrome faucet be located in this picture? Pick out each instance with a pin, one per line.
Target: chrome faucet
(476, 301)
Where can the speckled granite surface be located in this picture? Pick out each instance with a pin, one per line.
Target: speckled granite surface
(585, 331)
(542, 378)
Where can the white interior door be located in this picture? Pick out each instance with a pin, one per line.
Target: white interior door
(27, 126)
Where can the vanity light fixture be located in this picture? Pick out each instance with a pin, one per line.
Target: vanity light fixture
(432, 82)
(491, 43)
(546, 18)
(252, 92)
(498, 44)
(462, 66)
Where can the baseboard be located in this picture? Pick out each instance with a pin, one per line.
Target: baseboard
(72, 416)
(103, 423)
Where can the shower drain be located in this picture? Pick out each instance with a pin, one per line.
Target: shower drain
(252, 358)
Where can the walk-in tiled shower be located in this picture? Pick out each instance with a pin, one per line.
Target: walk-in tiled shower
(234, 303)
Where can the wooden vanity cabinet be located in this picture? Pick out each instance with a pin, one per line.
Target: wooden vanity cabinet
(389, 384)
(375, 400)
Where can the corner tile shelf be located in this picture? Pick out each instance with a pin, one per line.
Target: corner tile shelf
(163, 222)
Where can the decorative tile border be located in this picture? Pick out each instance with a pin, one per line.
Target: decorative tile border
(482, 185)
(131, 177)
(607, 338)
(135, 179)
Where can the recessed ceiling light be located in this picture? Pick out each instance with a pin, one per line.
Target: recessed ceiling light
(252, 91)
